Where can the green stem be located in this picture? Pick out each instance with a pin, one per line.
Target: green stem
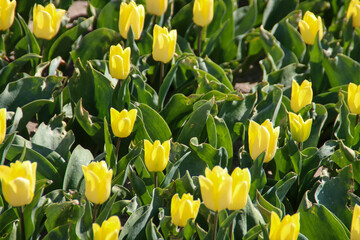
(117, 147)
(96, 206)
(156, 179)
(154, 20)
(231, 230)
(215, 224)
(162, 73)
(357, 119)
(199, 42)
(22, 222)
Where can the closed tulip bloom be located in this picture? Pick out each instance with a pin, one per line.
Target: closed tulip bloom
(300, 95)
(2, 124)
(109, 229)
(18, 182)
(156, 155)
(156, 7)
(216, 191)
(131, 15)
(203, 12)
(7, 14)
(184, 208)
(287, 229)
(164, 44)
(119, 62)
(310, 26)
(97, 182)
(122, 123)
(263, 138)
(241, 181)
(354, 11)
(355, 224)
(47, 20)
(353, 98)
(300, 129)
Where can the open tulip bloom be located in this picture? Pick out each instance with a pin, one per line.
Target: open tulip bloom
(309, 27)
(7, 14)
(109, 229)
(183, 209)
(2, 124)
(354, 12)
(286, 229)
(300, 95)
(131, 15)
(119, 62)
(355, 224)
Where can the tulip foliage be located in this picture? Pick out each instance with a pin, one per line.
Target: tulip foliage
(130, 119)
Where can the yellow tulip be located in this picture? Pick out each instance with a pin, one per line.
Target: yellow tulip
(263, 138)
(310, 26)
(7, 14)
(2, 124)
(164, 44)
(97, 182)
(109, 229)
(241, 181)
(354, 11)
(300, 95)
(119, 62)
(156, 155)
(300, 130)
(203, 12)
(353, 98)
(287, 229)
(47, 20)
(156, 7)
(131, 15)
(122, 123)
(216, 190)
(18, 182)
(355, 224)
(184, 208)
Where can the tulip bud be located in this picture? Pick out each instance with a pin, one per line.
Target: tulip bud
(156, 7)
(97, 182)
(216, 190)
(122, 123)
(156, 155)
(131, 15)
(353, 98)
(164, 44)
(299, 129)
(47, 20)
(263, 138)
(109, 229)
(310, 26)
(287, 229)
(183, 209)
(355, 224)
(18, 182)
(119, 62)
(354, 11)
(203, 12)
(2, 124)
(241, 181)
(7, 14)
(300, 95)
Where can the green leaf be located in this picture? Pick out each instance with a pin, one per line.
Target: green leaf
(245, 18)
(83, 226)
(58, 214)
(109, 16)
(106, 209)
(82, 116)
(111, 159)
(276, 10)
(139, 187)
(258, 176)
(271, 46)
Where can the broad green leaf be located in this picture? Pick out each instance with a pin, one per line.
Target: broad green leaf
(109, 16)
(245, 18)
(276, 10)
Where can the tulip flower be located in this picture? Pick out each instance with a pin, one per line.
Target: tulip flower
(299, 129)
(109, 229)
(216, 190)
(263, 138)
(164, 44)
(287, 229)
(47, 20)
(7, 14)
(300, 95)
(156, 7)
(353, 98)
(355, 224)
(97, 182)
(184, 208)
(2, 124)
(310, 26)
(119, 62)
(122, 123)
(18, 182)
(241, 181)
(203, 12)
(354, 12)
(131, 15)
(156, 155)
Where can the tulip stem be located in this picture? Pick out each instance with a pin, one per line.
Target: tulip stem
(117, 147)
(154, 20)
(156, 179)
(21, 213)
(96, 206)
(199, 42)
(231, 230)
(162, 73)
(300, 146)
(357, 119)
(215, 224)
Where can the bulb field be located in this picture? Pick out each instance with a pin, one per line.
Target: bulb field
(180, 119)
